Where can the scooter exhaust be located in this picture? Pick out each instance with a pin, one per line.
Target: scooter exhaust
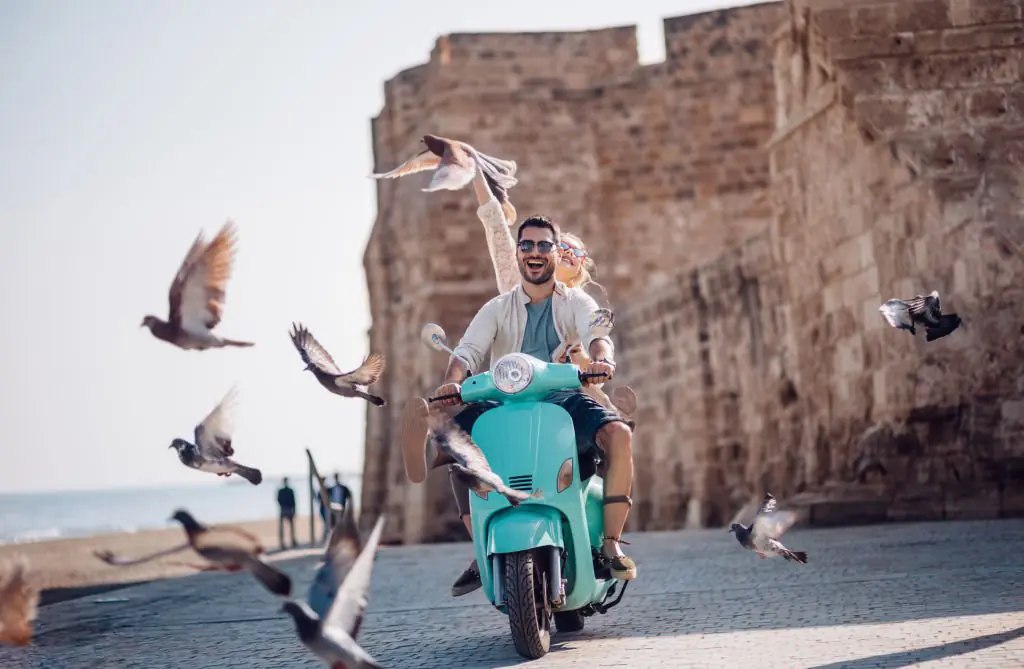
(555, 580)
(497, 580)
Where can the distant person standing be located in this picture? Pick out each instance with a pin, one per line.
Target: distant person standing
(340, 494)
(286, 502)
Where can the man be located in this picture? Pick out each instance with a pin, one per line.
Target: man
(286, 503)
(340, 494)
(535, 318)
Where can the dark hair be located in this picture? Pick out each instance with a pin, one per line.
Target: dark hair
(538, 221)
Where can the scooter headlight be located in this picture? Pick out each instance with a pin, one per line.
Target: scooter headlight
(513, 373)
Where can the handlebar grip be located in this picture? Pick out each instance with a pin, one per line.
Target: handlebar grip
(591, 375)
(449, 396)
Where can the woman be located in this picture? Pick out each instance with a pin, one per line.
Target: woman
(573, 269)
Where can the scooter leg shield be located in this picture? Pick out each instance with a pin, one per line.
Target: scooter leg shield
(524, 528)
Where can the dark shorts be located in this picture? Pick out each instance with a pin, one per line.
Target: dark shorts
(588, 416)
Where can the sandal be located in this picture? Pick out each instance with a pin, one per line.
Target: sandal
(622, 566)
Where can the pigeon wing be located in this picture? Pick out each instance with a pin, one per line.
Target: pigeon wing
(197, 296)
(454, 440)
(772, 525)
(926, 308)
(895, 313)
(213, 435)
(174, 295)
(421, 162)
(344, 544)
(228, 539)
(19, 603)
(346, 612)
(368, 372)
(311, 351)
(768, 504)
(947, 323)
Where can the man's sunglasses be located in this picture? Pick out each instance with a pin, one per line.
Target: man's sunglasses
(579, 253)
(526, 246)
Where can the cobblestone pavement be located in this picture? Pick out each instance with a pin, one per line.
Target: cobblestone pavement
(918, 595)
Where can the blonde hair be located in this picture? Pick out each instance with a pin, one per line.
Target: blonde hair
(583, 276)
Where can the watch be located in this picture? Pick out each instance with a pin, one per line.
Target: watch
(606, 361)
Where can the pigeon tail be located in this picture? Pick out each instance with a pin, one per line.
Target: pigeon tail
(238, 342)
(275, 581)
(372, 399)
(799, 556)
(253, 476)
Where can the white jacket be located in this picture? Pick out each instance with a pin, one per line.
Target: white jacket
(500, 324)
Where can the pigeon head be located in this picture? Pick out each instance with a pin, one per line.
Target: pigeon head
(179, 444)
(186, 520)
(309, 367)
(149, 322)
(736, 527)
(435, 144)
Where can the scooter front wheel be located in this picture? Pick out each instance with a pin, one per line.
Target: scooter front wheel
(529, 613)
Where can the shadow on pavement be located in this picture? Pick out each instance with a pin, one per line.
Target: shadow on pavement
(917, 656)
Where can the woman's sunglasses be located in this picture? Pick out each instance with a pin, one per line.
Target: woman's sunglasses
(526, 246)
(579, 253)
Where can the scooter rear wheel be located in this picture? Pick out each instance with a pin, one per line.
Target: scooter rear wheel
(529, 614)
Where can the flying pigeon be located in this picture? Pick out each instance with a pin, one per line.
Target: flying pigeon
(19, 603)
(197, 295)
(455, 164)
(346, 384)
(113, 560)
(233, 549)
(922, 309)
(333, 637)
(212, 449)
(762, 536)
(470, 465)
(341, 551)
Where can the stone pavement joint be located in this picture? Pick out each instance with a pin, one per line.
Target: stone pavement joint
(939, 594)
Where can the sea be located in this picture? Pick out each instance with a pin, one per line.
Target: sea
(27, 517)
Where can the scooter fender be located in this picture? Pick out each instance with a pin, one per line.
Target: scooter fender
(523, 528)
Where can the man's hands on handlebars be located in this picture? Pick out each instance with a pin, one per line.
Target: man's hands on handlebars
(453, 389)
(594, 367)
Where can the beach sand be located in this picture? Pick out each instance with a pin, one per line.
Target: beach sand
(66, 568)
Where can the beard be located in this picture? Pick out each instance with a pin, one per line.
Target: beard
(536, 276)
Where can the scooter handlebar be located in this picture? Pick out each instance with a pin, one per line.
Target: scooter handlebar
(449, 396)
(584, 376)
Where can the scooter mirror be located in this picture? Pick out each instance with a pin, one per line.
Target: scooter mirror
(601, 322)
(434, 337)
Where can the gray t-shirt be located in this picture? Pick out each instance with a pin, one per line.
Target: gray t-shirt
(540, 338)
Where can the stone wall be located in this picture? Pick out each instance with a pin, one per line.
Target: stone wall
(750, 202)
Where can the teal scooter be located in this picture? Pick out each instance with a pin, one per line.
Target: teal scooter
(542, 559)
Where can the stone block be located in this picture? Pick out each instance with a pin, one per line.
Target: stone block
(1011, 502)
(873, 19)
(972, 502)
(988, 104)
(921, 15)
(916, 502)
(855, 512)
(977, 12)
(949, 71)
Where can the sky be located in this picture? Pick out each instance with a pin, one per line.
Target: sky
(127, 127)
